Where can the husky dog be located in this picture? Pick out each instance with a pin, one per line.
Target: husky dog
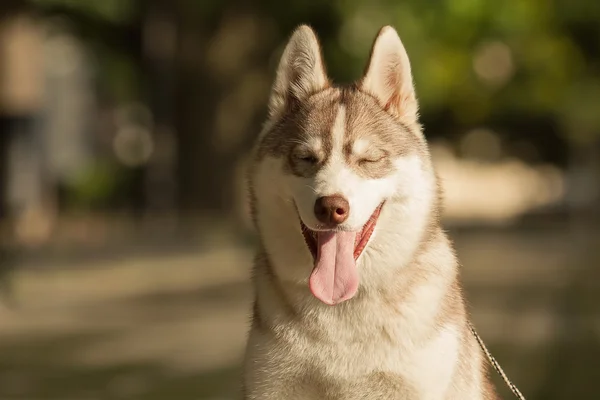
(358, 293)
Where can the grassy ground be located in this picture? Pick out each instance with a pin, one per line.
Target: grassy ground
(172, 325)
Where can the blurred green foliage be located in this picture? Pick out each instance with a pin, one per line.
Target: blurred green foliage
(555, 67)
(529, 69)
(95, 184)
(110, 10)
(552, 46)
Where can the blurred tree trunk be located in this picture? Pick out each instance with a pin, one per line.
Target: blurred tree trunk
(159, 34)
(203, 175)
(6, 262)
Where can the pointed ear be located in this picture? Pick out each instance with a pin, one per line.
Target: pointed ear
(388, 75)
(301, 71)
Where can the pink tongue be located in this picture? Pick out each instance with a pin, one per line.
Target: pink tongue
(334, 278)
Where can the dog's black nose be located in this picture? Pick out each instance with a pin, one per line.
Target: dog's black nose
(332, 209)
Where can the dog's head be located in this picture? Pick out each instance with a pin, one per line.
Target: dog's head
(333, 162)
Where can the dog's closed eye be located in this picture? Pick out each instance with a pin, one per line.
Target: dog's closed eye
(306, 156)
(371, 160)
(373, 156)
(308, 159)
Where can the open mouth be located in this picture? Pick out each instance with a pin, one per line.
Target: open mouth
(334, 277)
(361, 241)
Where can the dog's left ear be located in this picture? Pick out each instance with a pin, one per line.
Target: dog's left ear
(388, 76)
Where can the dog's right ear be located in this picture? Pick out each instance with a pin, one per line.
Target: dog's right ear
(388, 76)
(300, 73)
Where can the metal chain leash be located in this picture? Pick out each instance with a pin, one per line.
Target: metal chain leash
(495, 364)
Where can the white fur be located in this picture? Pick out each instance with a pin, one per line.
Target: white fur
(436, 363)
(360, 146)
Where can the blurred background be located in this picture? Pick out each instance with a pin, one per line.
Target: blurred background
(125, 127)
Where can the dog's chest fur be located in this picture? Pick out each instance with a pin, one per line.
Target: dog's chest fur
(409, 345)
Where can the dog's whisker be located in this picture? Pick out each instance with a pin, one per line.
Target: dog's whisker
(312, 188)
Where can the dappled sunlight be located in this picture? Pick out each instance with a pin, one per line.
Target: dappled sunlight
(498, 192)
